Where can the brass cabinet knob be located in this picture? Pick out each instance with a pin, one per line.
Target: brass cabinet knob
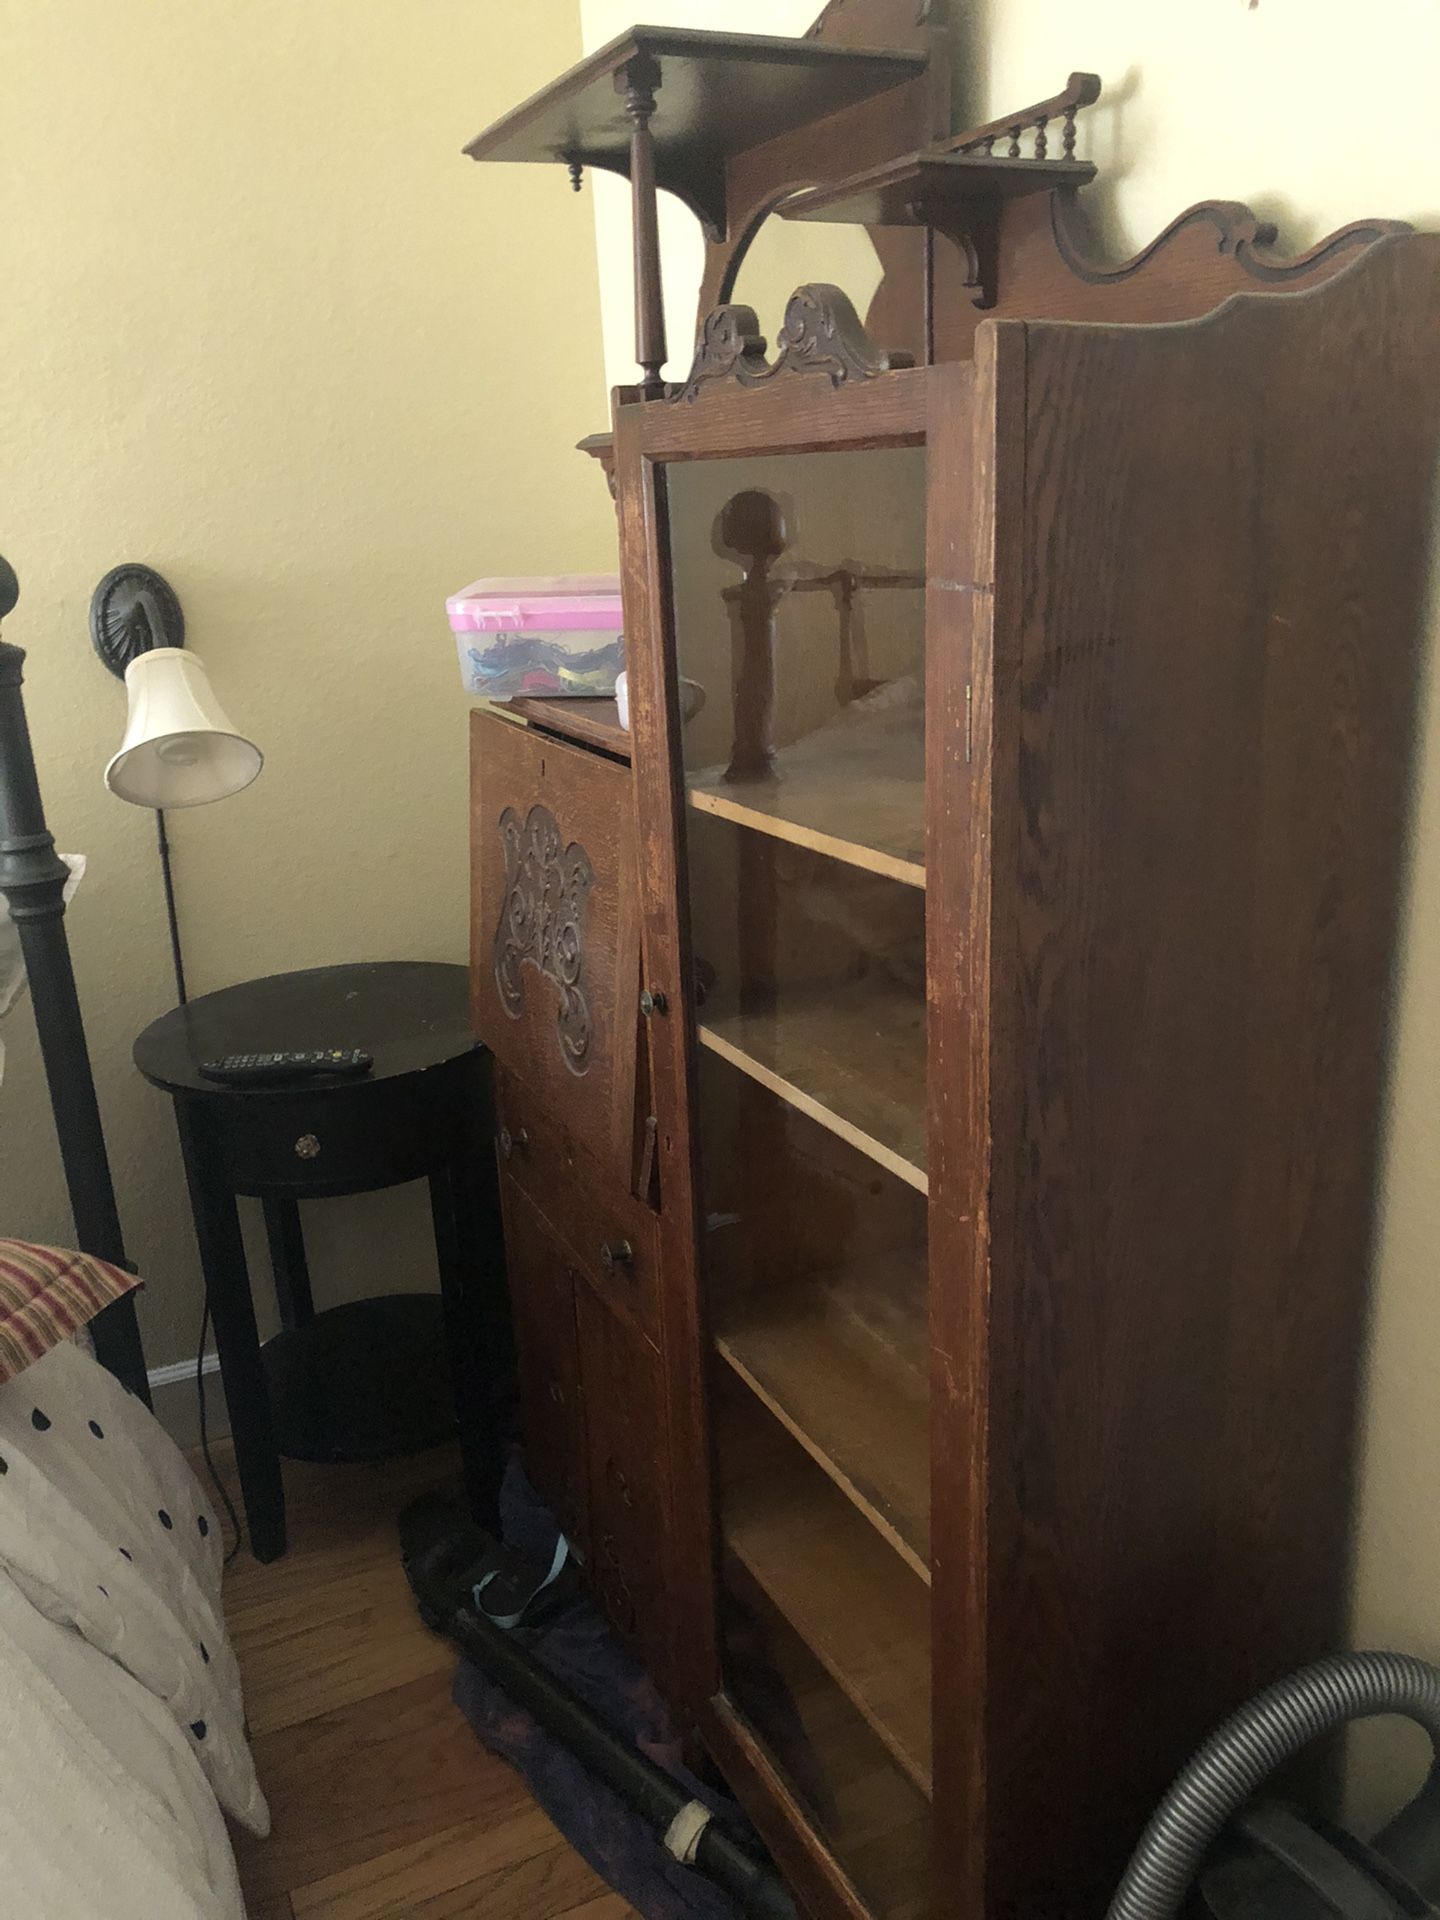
(616, 1253)
(307, 1146)
(652, 1001)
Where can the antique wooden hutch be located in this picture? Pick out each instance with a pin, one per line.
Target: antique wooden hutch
(940, 1076)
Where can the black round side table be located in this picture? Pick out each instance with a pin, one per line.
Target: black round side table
(359, 1380)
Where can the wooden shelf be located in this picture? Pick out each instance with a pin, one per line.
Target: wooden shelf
(719, 94)
(852, 1057)
(860, 1611)
(875, 1820)
(922, 189)
(853, 792)
(858, 1410)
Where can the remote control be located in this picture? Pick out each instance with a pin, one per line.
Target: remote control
(255, 1069)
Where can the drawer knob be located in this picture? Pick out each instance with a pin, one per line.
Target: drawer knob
(307, 1146)
(513, 1143)
(652, 1001)
(615, 1254)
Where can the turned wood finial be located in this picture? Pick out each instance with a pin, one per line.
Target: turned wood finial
(751, 530)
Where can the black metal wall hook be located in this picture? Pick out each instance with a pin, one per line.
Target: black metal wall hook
(132, 610)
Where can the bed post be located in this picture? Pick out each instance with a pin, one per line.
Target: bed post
(32, 881)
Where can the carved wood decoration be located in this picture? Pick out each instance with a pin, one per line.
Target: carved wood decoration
(731, 345)
(1050, 266)
(822, 333)
(1239, 236)
(542, 924)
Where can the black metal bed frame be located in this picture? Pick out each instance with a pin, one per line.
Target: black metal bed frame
(33, 878)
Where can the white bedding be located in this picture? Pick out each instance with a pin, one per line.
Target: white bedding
(121, 1721)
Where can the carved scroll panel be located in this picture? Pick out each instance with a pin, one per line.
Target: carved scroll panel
(542, 924)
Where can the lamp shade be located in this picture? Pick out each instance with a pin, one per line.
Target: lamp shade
(179, 749)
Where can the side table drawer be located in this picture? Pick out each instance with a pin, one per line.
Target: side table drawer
(611, 1235)
(377, 1135)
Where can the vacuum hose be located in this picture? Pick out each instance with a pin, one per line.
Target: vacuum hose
(1268, 1730)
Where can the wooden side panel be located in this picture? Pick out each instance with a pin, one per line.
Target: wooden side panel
(554, 942)
(542, 1291)
(1224, 529)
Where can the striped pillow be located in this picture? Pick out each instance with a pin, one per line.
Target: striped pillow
(46, 1295)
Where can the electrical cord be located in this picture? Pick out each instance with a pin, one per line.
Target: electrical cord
(175, 954)
(210, 1467)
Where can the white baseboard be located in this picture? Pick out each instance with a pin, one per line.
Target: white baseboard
(172, 1389)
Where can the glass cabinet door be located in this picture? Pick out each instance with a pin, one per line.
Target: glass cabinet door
(797, 586)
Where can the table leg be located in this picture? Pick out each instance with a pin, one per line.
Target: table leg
(242, 1371)
(287, 1261)
(471, 1258)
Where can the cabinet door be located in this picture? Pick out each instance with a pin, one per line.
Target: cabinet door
(555, 962)
(624, 1450)
(542, 1289)
(796, 600)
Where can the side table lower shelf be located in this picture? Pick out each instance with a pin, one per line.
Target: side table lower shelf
(365, 1381)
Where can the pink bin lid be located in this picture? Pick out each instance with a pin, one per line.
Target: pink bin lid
(557, 603)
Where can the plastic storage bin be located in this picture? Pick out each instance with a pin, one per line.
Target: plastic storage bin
(557, 635)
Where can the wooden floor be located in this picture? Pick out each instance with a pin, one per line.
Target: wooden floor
(383, 1802)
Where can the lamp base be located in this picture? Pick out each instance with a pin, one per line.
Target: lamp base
(131, 611)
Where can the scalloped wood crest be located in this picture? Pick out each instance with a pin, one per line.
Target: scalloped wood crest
(1239, 237)
(822, 333)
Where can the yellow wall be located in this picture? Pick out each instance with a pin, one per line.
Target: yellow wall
(266, 329)
(1290, 105)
